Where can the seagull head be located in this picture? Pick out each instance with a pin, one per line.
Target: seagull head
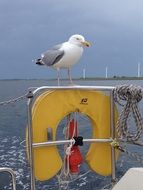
(79, 41)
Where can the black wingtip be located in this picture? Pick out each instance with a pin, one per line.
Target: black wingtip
(39, 62)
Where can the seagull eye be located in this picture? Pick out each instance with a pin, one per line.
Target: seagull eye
(78, 38)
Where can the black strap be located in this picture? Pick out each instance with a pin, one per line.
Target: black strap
(78, 141)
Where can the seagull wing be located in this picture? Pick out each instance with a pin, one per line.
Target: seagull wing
(53, 55)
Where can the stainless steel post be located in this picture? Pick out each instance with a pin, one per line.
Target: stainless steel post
(11, 172)
(30, 147)
(112, 123)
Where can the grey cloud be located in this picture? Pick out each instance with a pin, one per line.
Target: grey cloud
(29, 27)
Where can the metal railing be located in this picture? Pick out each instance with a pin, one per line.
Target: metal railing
(12, 174)
(32, 99)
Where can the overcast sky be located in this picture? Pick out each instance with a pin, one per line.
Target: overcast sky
(29, 27)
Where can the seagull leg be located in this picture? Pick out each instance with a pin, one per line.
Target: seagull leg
(58, 76)
(69, 75)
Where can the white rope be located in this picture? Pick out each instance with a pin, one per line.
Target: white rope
(64, 177)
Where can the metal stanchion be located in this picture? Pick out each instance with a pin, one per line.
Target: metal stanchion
(11, 172)
(112, 128)
(30, 148)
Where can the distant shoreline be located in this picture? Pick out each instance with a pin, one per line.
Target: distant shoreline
(86, 79)
(114, 78)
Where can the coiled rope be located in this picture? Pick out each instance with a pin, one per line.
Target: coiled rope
(129, 96)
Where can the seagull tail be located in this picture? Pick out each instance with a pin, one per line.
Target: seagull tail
(39, 62)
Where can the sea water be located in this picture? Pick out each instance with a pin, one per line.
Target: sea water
(13, 122)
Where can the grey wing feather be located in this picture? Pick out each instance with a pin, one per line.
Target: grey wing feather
(57, 47)
(53, 55)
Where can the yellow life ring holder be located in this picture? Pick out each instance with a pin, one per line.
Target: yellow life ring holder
(50, 108)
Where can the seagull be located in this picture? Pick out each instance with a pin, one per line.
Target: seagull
(65, 55)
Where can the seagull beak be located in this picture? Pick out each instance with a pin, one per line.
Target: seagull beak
(86, 44)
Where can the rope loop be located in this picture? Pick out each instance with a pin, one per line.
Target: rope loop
(128, 93)
(131, 96)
